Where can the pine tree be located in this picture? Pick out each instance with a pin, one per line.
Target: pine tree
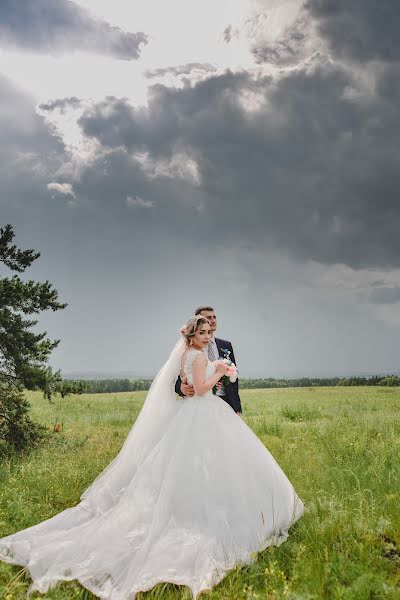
(23, 353)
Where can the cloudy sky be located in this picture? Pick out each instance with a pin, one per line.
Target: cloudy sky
(162, 155)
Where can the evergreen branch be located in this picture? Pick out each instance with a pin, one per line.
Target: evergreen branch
(28, 296)
(10, 255)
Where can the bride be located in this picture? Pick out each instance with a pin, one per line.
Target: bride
(192, 493)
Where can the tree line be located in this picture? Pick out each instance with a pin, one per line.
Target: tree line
(106, 386)
(270, 382)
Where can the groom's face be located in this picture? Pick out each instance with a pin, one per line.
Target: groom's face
(212, 317)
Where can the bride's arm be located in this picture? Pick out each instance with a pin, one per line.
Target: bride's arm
(200, 383)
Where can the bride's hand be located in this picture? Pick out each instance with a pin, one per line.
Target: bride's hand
(221, 367)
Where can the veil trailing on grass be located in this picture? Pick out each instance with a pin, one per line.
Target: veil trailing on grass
(159, 407)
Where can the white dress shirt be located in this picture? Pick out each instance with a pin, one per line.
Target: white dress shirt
(215, 348)
(220, 391)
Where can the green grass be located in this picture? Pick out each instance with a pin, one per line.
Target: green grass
(340, 448)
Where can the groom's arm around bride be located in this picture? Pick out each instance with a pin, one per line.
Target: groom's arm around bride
(218, 348)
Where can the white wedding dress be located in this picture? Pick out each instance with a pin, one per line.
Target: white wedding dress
(187, 498)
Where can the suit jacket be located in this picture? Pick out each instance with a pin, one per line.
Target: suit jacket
(232, 390)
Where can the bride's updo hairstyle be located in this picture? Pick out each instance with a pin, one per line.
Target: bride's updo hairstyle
(192, 325)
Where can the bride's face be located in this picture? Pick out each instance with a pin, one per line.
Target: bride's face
(202, 336)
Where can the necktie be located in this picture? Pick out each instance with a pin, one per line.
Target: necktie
(211, 353)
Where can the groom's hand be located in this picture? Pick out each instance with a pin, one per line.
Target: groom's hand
(186, 388)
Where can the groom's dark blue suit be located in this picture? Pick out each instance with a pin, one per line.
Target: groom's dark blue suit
(232, 390)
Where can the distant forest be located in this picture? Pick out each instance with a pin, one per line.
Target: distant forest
(104, 386)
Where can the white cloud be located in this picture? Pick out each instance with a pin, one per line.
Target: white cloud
(179, 166)
(62, 188)
(138, 201)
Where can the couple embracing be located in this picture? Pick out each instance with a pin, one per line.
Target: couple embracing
(192, 493)
(213, 349)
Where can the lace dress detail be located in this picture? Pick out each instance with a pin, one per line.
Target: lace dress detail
(188, 366)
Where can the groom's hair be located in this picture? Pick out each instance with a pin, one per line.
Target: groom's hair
(199, 310)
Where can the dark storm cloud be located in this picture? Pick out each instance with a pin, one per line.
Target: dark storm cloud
(310, 170)
(137, 212)
(314, 172)
(63, 26)
(363, 30)
(388, 85)
(29, 158)
(24, 135)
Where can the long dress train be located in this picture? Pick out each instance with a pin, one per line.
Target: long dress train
(202, 498)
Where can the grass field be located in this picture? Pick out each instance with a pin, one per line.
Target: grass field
(340, 447)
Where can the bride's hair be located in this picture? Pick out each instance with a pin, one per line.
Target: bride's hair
(192, 325)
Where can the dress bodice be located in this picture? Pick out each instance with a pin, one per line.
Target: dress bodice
(187, 368)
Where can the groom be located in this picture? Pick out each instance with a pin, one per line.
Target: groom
(214, 351)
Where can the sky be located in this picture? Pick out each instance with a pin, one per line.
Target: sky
(165, 155)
